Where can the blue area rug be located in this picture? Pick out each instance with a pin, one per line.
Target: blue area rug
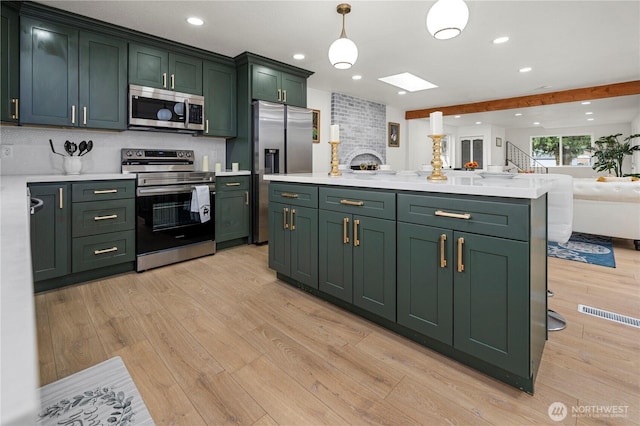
(586, 248)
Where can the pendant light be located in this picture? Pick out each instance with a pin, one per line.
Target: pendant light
(343, 52)
(447, 18)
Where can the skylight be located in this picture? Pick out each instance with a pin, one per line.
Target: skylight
(408, 81)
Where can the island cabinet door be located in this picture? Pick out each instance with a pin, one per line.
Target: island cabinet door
(335, 254)
(491, 300)
(303, 227)
(374, 265)
(425, 280)
(279, 238)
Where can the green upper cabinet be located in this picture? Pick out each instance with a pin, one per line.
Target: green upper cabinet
(10, 71)
(278, 86)
(159, 68)
(71, 77)
(219, 89)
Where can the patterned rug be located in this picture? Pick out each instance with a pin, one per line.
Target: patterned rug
(100, 395)
(586, 248)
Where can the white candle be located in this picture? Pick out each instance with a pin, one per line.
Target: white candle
(335, 133)
(436, 123)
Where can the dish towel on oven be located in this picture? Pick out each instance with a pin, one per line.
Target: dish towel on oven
(201, 203)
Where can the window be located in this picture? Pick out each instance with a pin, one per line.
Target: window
(562, 150)
(471, 149)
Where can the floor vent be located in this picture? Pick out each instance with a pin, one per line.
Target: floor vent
(611, 316)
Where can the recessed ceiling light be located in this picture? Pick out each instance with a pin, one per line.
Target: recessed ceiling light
(408, 81)
(588, 113)
(525, 69)
(478, 122)
(586, 103)
(356, 77)
(518, 114)
(590, 119)
(501, 40)
(402, 92)
(536, 123)
(298, 56)
(195, 21)
(456, 116)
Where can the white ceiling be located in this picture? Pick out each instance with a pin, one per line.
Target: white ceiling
(569, 44)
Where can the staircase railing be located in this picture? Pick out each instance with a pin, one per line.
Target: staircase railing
(523, 161)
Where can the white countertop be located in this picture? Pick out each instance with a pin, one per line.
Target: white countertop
(18, 355)
(471, 183)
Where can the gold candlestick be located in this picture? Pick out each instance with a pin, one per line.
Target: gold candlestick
(334, 159)
(436, 174)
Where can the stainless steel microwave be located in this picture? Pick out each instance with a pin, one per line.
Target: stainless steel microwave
(150, 107)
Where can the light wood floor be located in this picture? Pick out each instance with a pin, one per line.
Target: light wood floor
(220, 340)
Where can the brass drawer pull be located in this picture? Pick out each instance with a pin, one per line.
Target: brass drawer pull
(285, 225)
(173, 82)
(60, 200)
(109, 250)
(356, 241)
(206, 126)
(105, 191)
(345, 237)
(111, 216)
(164, 80)
(73, 114)
(293, 225)
(284, 96)
(443, 261)
(279, 95)
(84, 115)
(233, 184)
(246, 198)
(289, 195)
(352, 203)
(460, 264)
(454, 215)
(16, 104)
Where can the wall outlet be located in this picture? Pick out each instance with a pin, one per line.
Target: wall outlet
(7, 151)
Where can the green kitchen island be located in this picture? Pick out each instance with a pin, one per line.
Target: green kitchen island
(459, 266)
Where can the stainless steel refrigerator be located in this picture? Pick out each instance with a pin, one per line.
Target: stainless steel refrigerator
(282, 143)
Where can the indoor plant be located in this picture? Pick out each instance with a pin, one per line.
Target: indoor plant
(610, 153)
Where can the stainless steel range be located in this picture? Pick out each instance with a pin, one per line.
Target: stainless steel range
(167, 231)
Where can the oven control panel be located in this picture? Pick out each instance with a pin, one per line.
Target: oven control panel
(157, 154)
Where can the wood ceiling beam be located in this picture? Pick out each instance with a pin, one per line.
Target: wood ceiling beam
(573, 95)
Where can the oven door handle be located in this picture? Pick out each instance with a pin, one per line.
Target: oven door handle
(168, 190)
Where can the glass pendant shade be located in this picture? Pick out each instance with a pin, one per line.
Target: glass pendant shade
(447, 18)
(343, 53)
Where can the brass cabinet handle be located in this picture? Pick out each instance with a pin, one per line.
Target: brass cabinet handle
(61, 203)
(443, 261)
(285, 225)
(246, 198)
(454, 215)
(289, 195)
(279, 95)
(84, 115)
(352, 203)
(16, 115)
(345, 237)
(233, 184)
(105, 191)
(173, 81)
(164, 80)
(206, 126)
(284, 96)
(293, 225)
(460, 264)
(109, 250)
(111, 216)
(356, 241)
(73, 114)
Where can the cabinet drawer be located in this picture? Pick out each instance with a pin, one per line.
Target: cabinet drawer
(296, 195)
(487, 217)
(358, 201)
(103, 190)
(100, 217)
(232, 183)
(97, 251)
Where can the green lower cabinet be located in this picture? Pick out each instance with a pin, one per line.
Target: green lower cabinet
(293, 242)
(425, 276)
(491, 301)
(357, 261)
(232, 208)
(51, 231)
(98, 251)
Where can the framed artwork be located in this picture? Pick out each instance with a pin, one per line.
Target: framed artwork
(316, 125)
(394, 134)
(498, 141)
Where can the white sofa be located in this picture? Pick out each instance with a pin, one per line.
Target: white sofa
(607, 208)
